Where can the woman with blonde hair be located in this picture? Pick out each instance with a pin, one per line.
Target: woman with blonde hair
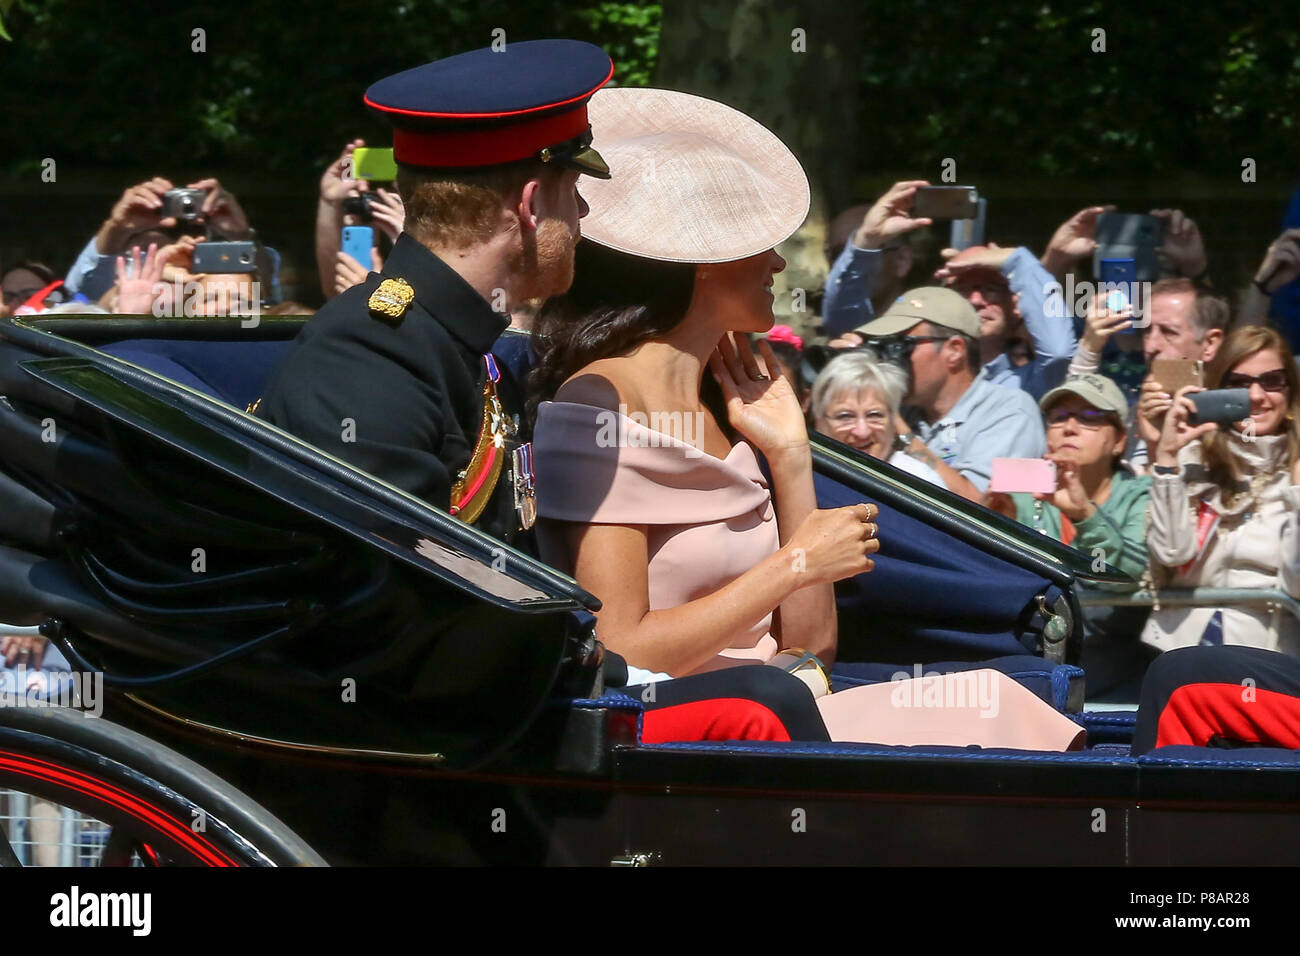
(1224, 501)
(856, 400)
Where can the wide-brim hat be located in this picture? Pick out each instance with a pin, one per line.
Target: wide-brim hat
(691, 179)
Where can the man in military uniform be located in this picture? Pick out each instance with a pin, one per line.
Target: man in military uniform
(394, 375)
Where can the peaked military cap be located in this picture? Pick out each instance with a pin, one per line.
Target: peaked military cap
(489, 107)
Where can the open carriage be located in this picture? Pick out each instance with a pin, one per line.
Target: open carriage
(385, 684)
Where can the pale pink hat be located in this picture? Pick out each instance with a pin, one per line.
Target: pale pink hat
(691, 179)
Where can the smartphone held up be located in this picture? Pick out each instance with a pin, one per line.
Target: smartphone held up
(1023, 475)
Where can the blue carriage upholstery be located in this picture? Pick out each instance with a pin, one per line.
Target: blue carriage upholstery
(1060, 685)
(235, 372)
(930, 596)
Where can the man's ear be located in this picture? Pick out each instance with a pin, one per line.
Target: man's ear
(1210, 344)
(954, 353)
(529, 210)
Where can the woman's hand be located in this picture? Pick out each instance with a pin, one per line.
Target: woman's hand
(761, 402)
(1101, 323)
(1001, 502)
(20, 649)
(1153, 405)
(1177, 432)
(137, 290)
(831, 545)
(1070, 498)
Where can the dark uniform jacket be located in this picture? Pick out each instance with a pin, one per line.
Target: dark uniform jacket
(402, 400)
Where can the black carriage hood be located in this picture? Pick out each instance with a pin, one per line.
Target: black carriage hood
(319, 579)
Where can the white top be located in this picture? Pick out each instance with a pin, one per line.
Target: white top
(914, 466)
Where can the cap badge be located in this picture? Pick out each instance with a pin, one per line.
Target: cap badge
(390, 301)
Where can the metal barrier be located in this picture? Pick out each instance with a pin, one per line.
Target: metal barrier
(42, 833)
(1193, 597)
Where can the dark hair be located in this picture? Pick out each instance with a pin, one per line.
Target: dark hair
(38, 269)
(617, 301)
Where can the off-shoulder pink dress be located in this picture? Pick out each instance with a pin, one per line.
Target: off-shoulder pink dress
(708, 521)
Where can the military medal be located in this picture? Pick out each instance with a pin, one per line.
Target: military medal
(389, 302)
(525, 493)
(475, 484)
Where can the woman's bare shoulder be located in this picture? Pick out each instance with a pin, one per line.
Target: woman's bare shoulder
(600, 384)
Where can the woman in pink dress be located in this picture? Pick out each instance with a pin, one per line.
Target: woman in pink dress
(653, 496)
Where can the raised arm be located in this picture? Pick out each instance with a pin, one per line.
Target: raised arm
(849, 287)
(1171, 537)
(336, 184)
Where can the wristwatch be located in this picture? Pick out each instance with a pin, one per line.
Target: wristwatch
(1164, 470)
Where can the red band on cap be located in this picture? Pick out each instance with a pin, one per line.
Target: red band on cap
(458, 148)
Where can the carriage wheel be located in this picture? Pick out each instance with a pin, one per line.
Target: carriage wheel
(162, 808)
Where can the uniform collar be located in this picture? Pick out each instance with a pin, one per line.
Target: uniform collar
(453, 302)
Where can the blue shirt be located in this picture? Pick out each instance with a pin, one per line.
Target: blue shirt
(847, 306)
(989, 421)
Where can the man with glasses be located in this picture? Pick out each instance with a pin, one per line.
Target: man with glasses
(963, 421)
(1185, 322)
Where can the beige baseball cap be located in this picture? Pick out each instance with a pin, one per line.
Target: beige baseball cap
(1097, 390)
(926, 304)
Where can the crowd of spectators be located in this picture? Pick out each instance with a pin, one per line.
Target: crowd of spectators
(984, 358)
(940, 377)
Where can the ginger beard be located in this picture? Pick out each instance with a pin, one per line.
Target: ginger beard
(546, 263)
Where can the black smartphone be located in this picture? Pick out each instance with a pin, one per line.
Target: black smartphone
(1128, 236)
(945, 202)
(225, 257)
(359, 206)
(1220, 405)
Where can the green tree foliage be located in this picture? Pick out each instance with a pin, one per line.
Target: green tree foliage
(279, 85)
(1021, 92)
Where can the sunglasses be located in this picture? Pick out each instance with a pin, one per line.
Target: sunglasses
(1272, 381)
(1087, 417)
(898, 348)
